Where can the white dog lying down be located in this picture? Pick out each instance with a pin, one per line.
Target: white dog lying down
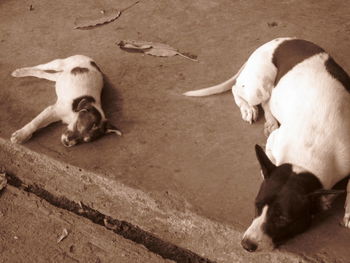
(79, 83)
(305, 95)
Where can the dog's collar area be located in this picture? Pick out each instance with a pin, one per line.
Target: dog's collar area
(298, 169)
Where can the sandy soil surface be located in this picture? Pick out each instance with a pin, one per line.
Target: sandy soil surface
(32, 230)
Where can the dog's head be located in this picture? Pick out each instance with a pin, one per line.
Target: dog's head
(284, 205)
(89, 124)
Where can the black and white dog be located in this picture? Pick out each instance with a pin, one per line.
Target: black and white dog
(305, 95)
(79, 83)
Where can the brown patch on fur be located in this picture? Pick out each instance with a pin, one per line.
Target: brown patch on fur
(78, 70)
(292, 52)
(338, 73)
(92, 63)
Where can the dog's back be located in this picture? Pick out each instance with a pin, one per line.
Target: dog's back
(312, 104)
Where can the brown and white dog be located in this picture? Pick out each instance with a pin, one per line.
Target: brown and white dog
(305, 95)
(79, 83)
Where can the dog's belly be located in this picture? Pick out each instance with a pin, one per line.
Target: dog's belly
(69, 87)
(314, 111)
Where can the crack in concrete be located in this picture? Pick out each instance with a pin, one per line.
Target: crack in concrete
(128, 231)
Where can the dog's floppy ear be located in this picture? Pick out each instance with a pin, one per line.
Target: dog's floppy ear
(322, 199)
(321, 192)
(266, 165)
(82, 103)
(109, 128)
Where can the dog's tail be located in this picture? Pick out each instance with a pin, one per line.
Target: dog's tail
(220, 88)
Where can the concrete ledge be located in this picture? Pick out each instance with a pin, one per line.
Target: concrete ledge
(185, 168)
(30, 226)
(182, 227)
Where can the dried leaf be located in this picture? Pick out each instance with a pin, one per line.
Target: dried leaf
(154, 49)
(98, 19)
(3, 180)
(103, 17)
(63, 235)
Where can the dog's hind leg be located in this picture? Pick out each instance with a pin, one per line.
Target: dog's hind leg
(271, 123)
(55, 65)
(33, 72)
(47, 116)
(49, 71)
(249, 113)
(248, 96)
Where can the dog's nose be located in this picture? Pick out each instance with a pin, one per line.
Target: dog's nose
(249, 245)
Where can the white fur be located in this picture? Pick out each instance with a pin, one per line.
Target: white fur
(68, 87)
(253, 82)
(256, 234)
(312, 107)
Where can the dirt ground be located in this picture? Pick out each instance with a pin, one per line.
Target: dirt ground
(32, 230)
(191, 156)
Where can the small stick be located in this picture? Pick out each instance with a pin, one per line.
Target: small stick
(130, 6)
(182, 55)
(63, 236)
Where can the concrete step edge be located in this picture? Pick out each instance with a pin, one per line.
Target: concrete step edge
(210, 239)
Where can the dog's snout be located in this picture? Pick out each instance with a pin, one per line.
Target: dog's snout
(249, 245)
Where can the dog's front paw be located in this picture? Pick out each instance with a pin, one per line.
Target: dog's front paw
(346, 220)
(249, 113)
(270, 126)
(20, 136)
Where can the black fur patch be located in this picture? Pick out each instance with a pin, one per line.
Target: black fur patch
(79, 100)
(92, 63)
(292, 52)
(338, 73)
(78, 70)
(290, 209)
